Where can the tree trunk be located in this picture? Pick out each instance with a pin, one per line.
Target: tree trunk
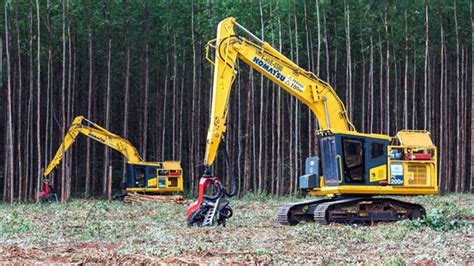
(30, 133)
(387, 75)
(371, 85)
(127, 79)
(471, 188)
(47, 130)
(441, 176)
(405, 79)
(381, 106)
(9, 165)
(89, 97)
(107, 170)
(279, 147)
(348, 60)
(164, 113)
(63, 101)
(38, 97)
(5, 153)
(363, 87)
(19, 114)
(193, 106)
(425, 76)
(458, 170)
(413, 102)
(260, 164)
(173, 103)
(147, 88)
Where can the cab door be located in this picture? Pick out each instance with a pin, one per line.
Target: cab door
(330, 161)
(353, 161)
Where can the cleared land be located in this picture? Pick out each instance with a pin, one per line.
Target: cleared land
(96, 231)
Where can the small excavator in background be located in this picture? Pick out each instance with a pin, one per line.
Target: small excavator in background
(141, 176)
(354, 169)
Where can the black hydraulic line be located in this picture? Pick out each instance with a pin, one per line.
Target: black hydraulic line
(234, 178)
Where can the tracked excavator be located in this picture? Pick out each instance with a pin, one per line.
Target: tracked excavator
(141, 176)
(354, 172)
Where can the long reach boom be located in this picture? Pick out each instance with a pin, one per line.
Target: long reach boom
(97, 133)
(315, 93)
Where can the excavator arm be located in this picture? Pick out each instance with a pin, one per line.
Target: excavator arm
(97, 133)
(313, 92)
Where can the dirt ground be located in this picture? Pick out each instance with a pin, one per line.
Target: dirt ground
(83, 231)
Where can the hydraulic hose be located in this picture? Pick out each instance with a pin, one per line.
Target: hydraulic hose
(234, 178)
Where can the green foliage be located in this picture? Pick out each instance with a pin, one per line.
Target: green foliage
(395, 261)
(13, 223)
(444, 217)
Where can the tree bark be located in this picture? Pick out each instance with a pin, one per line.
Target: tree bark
(9, 165)
(63, 100)
(405, 76)
(127, 78)
(348, 60)
(471, 188)
(19, 136)
(371, 85)
(173, 105)
(441, 176)
(147, 88)
(425, 75)
(5, 153)
(260, 164)
(458, 148)
(387, 73)
(30, 131)
(413, 102)
(193, 114)
(89, 96)
(38, 97)
(107, 170)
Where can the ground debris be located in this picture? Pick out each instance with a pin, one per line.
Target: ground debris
(155, 232)
(135, 197)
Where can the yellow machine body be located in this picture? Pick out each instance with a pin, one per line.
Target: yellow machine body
(141, 176)
(352, 163)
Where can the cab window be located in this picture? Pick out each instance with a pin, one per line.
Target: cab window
(353, 159)
(140, 176)
(376, 150)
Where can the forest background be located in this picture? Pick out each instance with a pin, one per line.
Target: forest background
(138, 68)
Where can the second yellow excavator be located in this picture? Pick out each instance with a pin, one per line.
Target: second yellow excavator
(141, 176)
(353, 170)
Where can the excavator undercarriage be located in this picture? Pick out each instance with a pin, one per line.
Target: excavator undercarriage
(364, 210)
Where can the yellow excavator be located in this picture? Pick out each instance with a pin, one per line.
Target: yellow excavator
(141, 176)
(353, 171)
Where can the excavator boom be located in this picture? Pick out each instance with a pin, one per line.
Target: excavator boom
(97, 133)
(318, 95)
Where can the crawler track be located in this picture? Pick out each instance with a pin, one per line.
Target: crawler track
(293, 213)
(349, 210)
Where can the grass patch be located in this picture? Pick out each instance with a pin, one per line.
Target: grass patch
(445, 213)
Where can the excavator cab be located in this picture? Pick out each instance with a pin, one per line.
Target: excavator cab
(154, 177)
(346, 160)
(372, 164)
